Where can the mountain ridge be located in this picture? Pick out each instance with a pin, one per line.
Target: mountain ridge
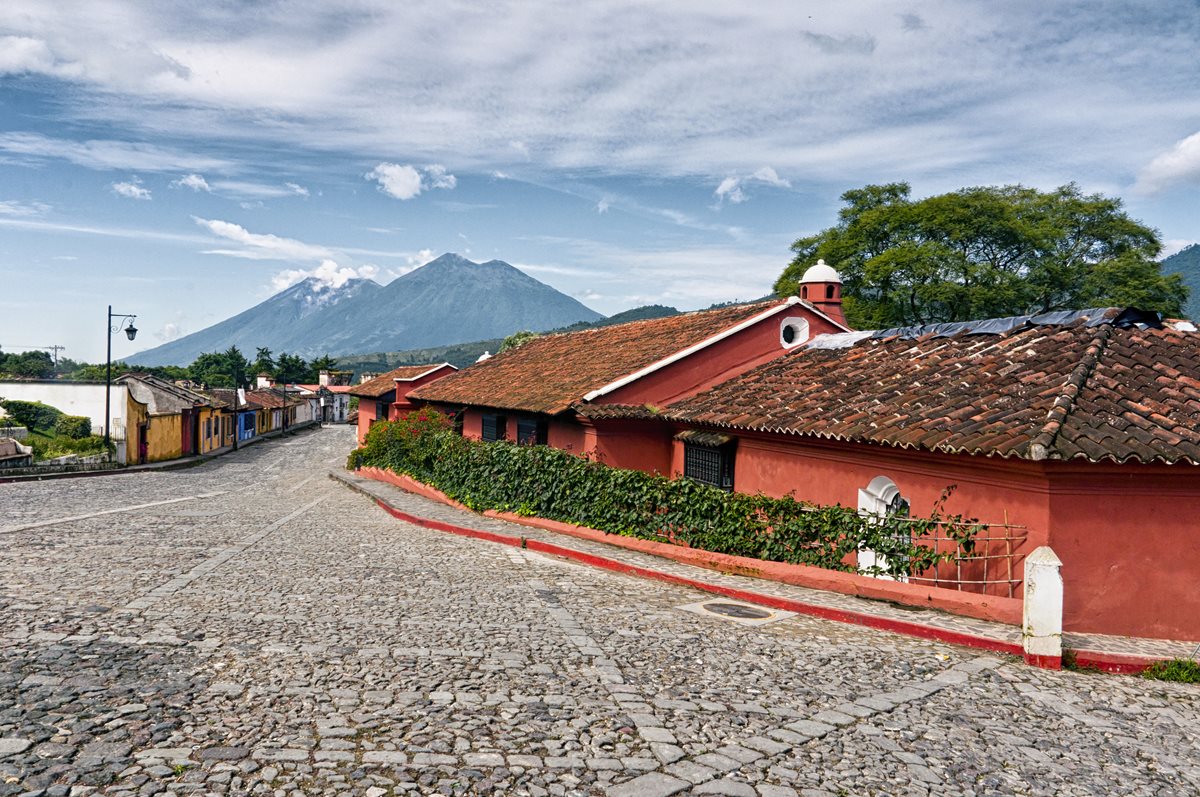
(448, 300)
(1186, 263)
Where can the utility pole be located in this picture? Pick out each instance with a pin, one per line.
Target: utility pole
(55, 348)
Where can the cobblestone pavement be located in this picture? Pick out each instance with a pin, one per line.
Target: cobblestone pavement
(271, 632)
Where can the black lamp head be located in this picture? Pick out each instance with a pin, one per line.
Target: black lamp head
(131, 331)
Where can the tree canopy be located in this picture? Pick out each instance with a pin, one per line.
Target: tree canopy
(517, 339)
(984, 252)
(27, 365)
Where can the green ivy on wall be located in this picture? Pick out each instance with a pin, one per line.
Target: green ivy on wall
(545, 482)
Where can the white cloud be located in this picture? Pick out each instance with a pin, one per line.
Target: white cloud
(397, 180)
(108, 155)
(767, 175)
(259, 246)
(859, 92)
(603, 205)
(25, 54)
(1178, 165)
(192, 181)
(438, 178)
(327, 275)
(132, 189)
(730, 190)
(403, 181)
(13, 207)
(169, 332)
(241, 189)
(421, 257)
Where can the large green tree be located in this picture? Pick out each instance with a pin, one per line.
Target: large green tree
(984, 252)
(264, 363)
(228, 368)
(292, 368)
(27, 365)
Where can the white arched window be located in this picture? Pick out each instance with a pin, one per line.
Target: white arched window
(881, 498)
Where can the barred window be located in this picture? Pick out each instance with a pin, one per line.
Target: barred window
(532, 432)
(709, 464)
(495, 427)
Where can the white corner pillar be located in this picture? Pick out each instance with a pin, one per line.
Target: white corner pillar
(1043, 609)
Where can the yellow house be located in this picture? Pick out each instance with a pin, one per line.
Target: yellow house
(166, 421)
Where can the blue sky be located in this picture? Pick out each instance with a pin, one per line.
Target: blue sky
(183, 161)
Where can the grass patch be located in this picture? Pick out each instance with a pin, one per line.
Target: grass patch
(48, 445)
(1071, 662)
(1184, 671)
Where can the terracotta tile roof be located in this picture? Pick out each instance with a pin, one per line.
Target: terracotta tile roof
(385, 383)
(550, 373)
(618, 411)
(1044, 392)
(269, 398)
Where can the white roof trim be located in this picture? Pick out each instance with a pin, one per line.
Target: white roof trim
(837, 324)
(690, 350)
(425, 373)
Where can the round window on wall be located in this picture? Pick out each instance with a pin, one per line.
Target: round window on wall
(792, 332)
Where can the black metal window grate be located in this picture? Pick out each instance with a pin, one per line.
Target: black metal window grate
(709, 464)
(494, 427)
(532, 432)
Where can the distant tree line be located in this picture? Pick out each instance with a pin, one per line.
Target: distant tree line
(27, 365)
(229, 368)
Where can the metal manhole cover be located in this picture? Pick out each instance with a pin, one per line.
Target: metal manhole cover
(738, 610)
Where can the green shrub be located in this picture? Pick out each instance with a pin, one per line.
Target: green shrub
(1186, 671)
(31, 414)
(52, 446)
(73, 426)
(554, 484)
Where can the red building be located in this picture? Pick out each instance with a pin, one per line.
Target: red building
(386, 396)
(598, 391)
(1080, 431)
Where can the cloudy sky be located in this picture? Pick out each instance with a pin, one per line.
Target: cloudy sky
(184, 160)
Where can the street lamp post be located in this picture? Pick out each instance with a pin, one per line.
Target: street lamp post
(131, 333)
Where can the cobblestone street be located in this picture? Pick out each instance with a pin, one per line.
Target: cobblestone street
(249, 626)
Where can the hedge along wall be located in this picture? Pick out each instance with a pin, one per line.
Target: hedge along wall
(549, 483)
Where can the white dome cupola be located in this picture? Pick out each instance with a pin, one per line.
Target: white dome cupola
(821, 272)
(821, 286)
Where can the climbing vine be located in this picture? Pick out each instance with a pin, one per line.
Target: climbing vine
(549, 483)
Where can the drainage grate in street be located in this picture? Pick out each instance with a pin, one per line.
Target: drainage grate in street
(738, 610)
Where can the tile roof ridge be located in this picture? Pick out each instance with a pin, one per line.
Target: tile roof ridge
(662, 318)
(1040, 446)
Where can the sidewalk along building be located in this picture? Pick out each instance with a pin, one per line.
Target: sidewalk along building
(1080, 431)
(597, 392)
(385, 397)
